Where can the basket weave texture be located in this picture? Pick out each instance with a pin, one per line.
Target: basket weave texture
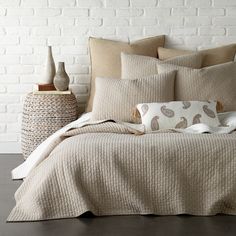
(43, 115)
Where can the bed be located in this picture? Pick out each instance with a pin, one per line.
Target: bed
(105, 164)
(110, 168)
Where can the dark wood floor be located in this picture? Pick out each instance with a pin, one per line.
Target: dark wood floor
(104, 226)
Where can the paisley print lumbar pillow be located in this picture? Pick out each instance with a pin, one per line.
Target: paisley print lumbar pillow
(178, 115)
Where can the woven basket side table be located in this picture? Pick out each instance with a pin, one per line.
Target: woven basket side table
(44, 114)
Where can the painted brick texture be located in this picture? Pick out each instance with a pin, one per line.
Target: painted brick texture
(28, 26)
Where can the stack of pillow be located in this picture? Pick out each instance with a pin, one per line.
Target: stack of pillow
(179, 89)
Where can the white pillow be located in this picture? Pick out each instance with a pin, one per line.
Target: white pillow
(179, 115)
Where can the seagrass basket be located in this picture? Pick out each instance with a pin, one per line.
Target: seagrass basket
(44, 114)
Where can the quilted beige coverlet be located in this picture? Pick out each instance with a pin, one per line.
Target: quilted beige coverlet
(108, 170)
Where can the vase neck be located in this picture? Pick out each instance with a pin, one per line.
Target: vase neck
(61, 66)
(50, 51)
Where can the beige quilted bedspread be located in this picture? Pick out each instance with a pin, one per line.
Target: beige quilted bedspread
(108, 170)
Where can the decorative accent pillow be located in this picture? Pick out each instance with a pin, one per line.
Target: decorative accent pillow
(216, 83)
(135, 66)
(213, 56)
(178, 115)
(105, 57)
(115, 99)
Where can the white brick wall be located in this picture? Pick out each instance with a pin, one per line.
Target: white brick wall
(28, 26)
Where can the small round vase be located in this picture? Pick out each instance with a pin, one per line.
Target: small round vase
(61, 80)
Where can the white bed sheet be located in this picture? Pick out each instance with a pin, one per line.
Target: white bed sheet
(38, 154)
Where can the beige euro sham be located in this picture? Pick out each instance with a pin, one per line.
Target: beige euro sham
(212, 56)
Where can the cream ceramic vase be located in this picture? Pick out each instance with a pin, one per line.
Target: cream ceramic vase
(50, 69)
(61, 80)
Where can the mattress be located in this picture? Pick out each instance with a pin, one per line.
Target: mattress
(108, 169)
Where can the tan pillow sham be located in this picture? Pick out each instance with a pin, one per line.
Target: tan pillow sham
(212, 56)
(135, 66)
(105, 57)
(115, 99)
(210, 83)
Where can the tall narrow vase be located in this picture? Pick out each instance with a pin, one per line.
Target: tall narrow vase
(50, 69)
(61, 80)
